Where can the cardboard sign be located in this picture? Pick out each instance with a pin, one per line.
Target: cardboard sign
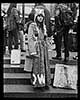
(65, 76)
(15, 56)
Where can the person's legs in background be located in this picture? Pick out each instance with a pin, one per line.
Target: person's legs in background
(10, 41)
(55, 38)
(15, 34)
(58, 42)
(4, 42)
(66, 44)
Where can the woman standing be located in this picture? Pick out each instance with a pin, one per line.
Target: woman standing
(40, 68)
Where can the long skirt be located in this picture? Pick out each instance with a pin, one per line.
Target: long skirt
(41, 76)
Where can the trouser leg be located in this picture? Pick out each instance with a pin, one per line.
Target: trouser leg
(4, 42)
(15, 34)
(55, 38)
(66, 41)
(10, 38)
(58, 44)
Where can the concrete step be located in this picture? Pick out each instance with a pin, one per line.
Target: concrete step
(17, 82)
(27, 91)
(19, 70)
(18, 75)
(7, 60)
(19, 66)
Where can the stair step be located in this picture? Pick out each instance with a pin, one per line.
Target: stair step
(29, 88)
(40, 95)
(19, 66)
(70, 62)
(27, 91)
(17, 82)
(19, 70)
(8, 61)
(21, 81)
(18, 75)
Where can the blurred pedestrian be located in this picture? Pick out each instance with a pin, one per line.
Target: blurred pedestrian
(5, 30)
(13, 26)
(62, 26)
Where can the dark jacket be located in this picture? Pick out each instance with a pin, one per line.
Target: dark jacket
(58, 23)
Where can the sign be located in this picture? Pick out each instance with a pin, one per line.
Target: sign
(15, 56)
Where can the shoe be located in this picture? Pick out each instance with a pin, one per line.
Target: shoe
(66, 59)
(46, 87)
(59, 58)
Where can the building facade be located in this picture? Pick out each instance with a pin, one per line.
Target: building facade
(28, 7)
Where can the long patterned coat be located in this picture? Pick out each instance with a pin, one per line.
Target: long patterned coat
(40, 64)
(30, 47)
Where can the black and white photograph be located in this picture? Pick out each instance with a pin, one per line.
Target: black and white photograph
(40, 50)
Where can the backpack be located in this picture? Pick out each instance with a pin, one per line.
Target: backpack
(67, 17)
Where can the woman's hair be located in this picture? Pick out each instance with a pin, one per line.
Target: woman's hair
(40, 24)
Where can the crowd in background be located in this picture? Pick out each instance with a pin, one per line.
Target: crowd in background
(14, 28)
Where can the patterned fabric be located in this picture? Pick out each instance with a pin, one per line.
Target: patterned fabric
(40, 66)
(65, 76)
(31, 38)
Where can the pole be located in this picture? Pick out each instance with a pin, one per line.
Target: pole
(23, 10)
(23, 18)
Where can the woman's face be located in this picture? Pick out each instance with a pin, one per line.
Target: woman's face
(40, 18)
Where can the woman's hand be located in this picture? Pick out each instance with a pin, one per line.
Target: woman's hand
(45, 36)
